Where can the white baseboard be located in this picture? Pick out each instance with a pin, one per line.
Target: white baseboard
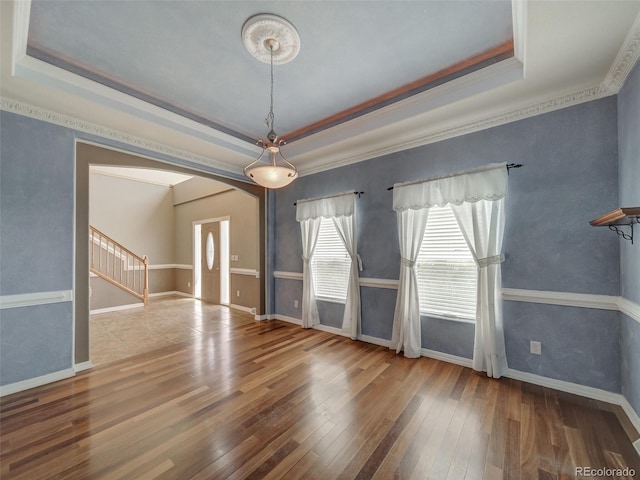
(285, 318)
(375, 340)
(634, 418)
(129, 306)
(36, 382)
(241, 308)
(328, 329)
(563, 386)
(171, 292)
(446, 357)
(116, 308)
(577, 389)
(82, 366)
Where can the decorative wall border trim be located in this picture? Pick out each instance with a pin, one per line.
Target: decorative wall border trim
(36, 382)
(171, 265)
(49, 116)
(244, 271)
(567, 299)
(288, 275)
(379, 283)
(37, 298)
(629, 308)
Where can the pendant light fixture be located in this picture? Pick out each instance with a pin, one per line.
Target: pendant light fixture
(271, 39)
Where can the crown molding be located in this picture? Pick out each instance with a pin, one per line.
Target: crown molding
(49, 116)
(627, 58)
(467, 126)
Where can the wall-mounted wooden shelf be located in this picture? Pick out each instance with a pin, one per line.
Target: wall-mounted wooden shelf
(621, 217)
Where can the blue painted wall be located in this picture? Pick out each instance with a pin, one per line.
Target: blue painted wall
(629, 178)
(36, 190)
(569, 177)
(36, 241)
(36, 250)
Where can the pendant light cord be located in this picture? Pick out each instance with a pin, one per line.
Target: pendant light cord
(270, 117)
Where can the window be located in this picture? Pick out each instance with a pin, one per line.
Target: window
(446, 271)
(330, 265)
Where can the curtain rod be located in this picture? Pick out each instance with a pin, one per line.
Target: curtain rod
(509, 167)
(355, 193)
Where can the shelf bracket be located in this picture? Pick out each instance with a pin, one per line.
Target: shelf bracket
(619, 231)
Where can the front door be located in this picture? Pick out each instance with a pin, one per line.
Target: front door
(210, 262)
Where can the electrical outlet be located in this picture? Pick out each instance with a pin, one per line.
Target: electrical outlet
(535, 347)
(637, 445)
(189, 284)
(295, 304)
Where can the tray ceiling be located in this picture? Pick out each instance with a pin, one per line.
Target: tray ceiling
(371, 77)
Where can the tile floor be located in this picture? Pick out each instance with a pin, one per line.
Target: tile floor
(165, 321)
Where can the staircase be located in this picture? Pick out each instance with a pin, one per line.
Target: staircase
(118, 265)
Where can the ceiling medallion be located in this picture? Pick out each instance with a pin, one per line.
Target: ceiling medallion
(258, 30)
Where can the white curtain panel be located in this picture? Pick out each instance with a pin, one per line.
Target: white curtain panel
(477, 200)
(482, 225)
(309, 229)
(346, 227)
(342, 209)
(406, 333)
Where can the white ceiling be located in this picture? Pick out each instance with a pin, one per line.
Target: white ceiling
(157, 177)
(565, 52)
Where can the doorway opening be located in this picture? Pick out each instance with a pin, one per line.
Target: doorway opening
(211, 260)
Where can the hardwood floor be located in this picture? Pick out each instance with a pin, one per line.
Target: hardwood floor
(240, 399)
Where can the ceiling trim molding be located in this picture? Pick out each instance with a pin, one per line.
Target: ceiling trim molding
(469, 126)
(626, 60)
(31, 111)
(519, 20)
(31, 68)
(480, 81)
(463, 68)
(21, 17)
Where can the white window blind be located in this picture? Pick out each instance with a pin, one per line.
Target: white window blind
(330, 265)
(446, 271)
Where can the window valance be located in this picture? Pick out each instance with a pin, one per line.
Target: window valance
(485, 183)
(339, 205)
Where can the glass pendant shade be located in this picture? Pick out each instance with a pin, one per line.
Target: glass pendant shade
(271, 175)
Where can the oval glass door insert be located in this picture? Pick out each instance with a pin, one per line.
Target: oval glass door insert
(210, 251)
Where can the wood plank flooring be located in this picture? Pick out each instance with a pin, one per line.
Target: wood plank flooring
(240, 399)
